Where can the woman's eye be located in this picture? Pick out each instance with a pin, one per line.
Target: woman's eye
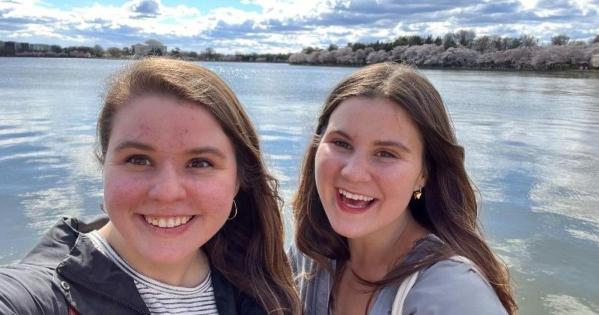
(342, 144)
(138, 160)
(386, 154)
(199, 163)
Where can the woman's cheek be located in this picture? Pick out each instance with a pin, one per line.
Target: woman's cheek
(121, 190)
(215, 195)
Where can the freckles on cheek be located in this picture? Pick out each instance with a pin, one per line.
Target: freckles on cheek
(324, 161)
(215, 197)
(117, 192)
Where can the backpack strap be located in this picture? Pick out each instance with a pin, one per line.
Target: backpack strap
(402, 293)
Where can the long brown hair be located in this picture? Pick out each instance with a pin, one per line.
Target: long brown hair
(248, 250)
(448, 207)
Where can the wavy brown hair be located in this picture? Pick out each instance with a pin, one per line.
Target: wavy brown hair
(247, 250)
(448, 207)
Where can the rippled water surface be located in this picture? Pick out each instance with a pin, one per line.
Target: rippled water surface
(531, 147)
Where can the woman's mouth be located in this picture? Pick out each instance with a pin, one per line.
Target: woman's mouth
(168, 222)
(353, 200)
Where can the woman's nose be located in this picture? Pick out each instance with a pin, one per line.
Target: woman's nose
(168, 185)
(356, 169)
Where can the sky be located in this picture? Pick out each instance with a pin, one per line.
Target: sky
(271, 26)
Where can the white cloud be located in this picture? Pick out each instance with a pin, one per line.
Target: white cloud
(293, 23)
(585, 6)
(529, 4)
(298, 9)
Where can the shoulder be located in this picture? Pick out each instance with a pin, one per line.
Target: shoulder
(300, 263)
(230, 299)
(247, 305)
(452, 287)
(307, 274)
(31, 286)
(313, 283)
(59, 240)
(26, 289)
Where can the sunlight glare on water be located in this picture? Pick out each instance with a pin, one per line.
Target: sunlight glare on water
(530, 140)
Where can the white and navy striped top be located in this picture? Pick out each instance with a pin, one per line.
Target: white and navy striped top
(161, 298)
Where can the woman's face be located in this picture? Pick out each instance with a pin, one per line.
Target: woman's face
(170, 176)
(368, 164)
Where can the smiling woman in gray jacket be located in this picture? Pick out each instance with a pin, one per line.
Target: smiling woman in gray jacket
(384, 199)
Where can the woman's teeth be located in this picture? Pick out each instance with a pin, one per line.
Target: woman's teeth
(168, 222)
(357, 197)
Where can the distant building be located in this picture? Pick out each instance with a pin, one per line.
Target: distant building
(10, 48)
(595, 57)
(80, 54)
(151, 47)
(595, 61)
(22, 47)
(39, 47)
(139, 49)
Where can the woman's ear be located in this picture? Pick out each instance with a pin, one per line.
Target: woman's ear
(420, 185)
(422, 177)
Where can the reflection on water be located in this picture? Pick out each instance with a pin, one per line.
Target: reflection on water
(530, 144)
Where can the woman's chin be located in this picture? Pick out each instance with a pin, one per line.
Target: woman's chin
(349, 231)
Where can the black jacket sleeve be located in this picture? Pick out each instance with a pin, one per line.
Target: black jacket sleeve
(25, 290)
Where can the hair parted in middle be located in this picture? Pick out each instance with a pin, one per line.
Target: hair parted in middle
(249, 249)
(448, 205)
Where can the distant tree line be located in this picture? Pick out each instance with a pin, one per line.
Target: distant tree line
(208, 54)
(462, 49)
(16, 49)
(10, 49)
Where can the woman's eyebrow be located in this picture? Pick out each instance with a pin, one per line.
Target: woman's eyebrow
(381, 143)
(340, 132)
(389, 143)
(133, 145)
(207, 150)
(145, 147)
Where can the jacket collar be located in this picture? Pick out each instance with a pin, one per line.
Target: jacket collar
(56, 244)
(92, 278)
(87, 268)
(81, 269)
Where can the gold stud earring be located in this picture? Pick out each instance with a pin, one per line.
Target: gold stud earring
(418, 193)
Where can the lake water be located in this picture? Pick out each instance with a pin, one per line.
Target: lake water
(531, 144)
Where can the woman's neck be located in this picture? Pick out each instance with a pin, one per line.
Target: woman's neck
(188, 272)
(372, 257)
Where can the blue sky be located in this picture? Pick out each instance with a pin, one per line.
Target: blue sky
(284, 25)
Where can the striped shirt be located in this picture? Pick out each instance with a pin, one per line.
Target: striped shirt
(162, 298)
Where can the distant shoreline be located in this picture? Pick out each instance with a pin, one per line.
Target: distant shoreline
(466, 68)
(455, 50)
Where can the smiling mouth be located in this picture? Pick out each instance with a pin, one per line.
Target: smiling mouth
(354, 200)
(168, 222)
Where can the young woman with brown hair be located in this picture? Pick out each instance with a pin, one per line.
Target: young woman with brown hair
(193, 223)
(386, 216)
